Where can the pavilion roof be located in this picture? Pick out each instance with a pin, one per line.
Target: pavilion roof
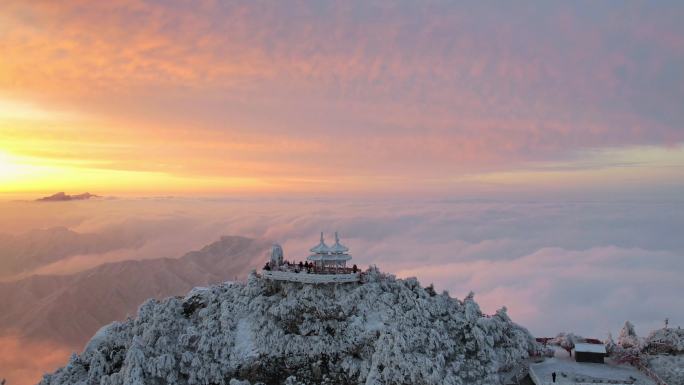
(338, 248)
(321, 248)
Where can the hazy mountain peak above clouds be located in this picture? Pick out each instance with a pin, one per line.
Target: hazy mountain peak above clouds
(69, 308)
(25, 252)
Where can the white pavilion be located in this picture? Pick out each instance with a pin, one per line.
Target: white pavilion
(326, 264)
(329, 257)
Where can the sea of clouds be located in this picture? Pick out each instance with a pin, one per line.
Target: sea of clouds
(577, 266)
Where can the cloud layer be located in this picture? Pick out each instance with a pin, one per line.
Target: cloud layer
(23, 361)
(558, 266)
(585, 266)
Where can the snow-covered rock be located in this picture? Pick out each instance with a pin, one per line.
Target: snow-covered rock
(381, 331)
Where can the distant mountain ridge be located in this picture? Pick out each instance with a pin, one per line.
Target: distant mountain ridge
(69, 308)
(62, 197)
(25, 252)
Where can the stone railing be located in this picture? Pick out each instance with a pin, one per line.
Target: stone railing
(304, 277)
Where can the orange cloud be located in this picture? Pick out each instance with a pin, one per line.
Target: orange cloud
(352, 96)
(22, 360)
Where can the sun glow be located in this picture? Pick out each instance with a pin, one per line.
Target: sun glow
(36, 178)
(16, 110)
(9, 170)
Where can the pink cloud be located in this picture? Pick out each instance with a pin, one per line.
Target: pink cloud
(426, 87)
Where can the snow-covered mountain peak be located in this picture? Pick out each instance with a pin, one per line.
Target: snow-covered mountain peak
(381, 331)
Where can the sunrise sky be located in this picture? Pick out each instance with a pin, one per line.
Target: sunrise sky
(532, 152)
(210, 97)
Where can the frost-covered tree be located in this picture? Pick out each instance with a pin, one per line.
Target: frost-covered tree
(661, 352)
(628, 338)
(665, 340)
(381, 331)
(628, 347)
(566, 341)
(610, 343)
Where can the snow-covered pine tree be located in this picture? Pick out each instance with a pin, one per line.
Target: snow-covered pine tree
(628, 338)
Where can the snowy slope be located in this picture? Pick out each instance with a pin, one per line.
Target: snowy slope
(670, 368)
(384, 331)
(573, 372)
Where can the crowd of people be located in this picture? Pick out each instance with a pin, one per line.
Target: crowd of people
(310, 268)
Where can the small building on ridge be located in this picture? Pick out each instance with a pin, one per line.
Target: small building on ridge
(589, 352)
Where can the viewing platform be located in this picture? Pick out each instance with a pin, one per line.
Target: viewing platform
(326, 264)
(305, 277)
